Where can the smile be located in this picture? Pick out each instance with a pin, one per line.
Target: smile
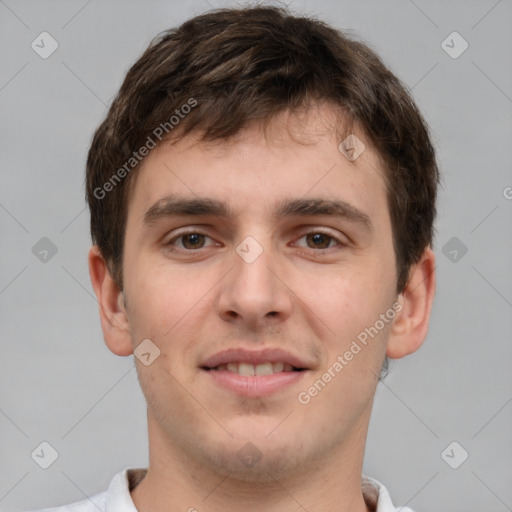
(248, 369)
(254, 373)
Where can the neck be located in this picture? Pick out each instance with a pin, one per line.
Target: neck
(174, 482)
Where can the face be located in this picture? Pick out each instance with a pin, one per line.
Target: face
(261, 268)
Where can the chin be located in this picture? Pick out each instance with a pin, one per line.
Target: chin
(248, 461)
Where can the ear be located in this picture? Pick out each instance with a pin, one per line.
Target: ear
(411, 324)
(113, 314)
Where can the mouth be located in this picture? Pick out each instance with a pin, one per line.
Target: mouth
(254, 374)
(249, 370)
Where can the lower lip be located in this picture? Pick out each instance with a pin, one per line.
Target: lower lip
(257, 385)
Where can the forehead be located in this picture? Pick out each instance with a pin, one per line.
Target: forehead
(294, 155)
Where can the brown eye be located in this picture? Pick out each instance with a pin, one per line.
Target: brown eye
(318, 240)
(189, 241)
(193, 240)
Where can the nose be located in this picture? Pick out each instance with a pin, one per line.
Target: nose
(254, 293)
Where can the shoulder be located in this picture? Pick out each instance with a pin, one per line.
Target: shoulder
(377, 496)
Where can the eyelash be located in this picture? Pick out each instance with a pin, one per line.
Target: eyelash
(170, 243)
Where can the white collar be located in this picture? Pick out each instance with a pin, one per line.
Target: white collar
(118, 496)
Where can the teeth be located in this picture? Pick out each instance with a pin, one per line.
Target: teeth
(246, 369)
(263, 369)
(277, 367)
(249, 370)
(232, 367)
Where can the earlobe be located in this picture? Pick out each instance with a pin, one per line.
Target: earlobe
(410, 326)
(113, 314)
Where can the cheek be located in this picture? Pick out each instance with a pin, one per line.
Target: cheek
(348, 299)
(161, 296)
(169, 306)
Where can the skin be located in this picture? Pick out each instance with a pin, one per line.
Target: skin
(310, 301)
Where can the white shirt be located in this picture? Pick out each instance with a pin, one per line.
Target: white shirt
(117, 498)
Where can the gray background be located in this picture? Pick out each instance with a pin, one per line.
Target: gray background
(58, 381)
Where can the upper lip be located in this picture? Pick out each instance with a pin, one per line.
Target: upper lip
(242, 355)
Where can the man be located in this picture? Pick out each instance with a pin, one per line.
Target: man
(262, 196)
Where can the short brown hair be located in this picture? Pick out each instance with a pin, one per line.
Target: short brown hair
(232, 66)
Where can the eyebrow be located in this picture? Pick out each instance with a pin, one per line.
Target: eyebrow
(170, 206)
